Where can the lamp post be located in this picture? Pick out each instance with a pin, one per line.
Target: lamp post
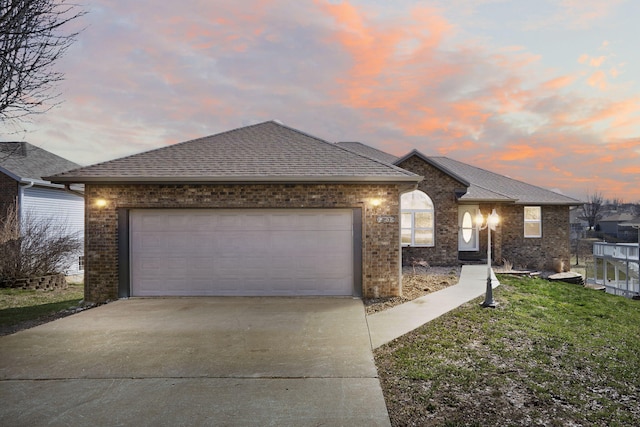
(490, 224)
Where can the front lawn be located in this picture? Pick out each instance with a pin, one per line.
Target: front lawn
(21, 308)
(552, 354)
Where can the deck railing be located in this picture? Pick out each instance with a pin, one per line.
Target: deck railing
(621, 251)
(624, 259)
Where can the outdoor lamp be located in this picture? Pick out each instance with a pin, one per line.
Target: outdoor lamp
(490, 224)
(101, 203)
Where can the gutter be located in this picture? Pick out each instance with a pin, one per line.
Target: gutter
(413, 179)
(68, 189)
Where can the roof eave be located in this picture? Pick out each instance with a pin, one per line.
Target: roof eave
(485, 200)
(10, 174)
(238, 180)
(567, 203)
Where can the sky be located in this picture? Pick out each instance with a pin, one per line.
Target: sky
(545, 91)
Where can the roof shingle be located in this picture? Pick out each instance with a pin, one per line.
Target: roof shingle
(264, 152)
(482, 185)
(23, 161)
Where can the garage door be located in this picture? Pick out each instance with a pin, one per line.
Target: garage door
(184, 252)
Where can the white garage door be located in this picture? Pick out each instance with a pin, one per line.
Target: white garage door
(241, 252)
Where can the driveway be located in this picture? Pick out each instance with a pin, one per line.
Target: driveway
(195, 361)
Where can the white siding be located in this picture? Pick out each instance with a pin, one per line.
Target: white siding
(64, 209)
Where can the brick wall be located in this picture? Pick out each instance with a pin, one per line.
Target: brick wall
(8, 193)
(534, 253)
(441, 189)
(508, 240)
(381, 241)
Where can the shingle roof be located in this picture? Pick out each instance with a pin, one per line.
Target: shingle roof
(618, 218)
(23, 161)
(633, 222)
(482, 185)
(490, 186)
(266, 152)
(365, 150)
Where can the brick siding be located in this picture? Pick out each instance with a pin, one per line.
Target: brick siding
(380, 247)
(441, 189)
(508, 241)
(534, 253)
(8, 193)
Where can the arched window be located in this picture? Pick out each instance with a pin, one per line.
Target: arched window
(417, 220)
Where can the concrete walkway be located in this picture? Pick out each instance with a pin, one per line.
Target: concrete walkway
(390, 324)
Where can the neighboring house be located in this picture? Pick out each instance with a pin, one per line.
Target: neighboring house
(22, 168)
(270, 210)
(615, 225)
(438, 218)
(579, 225)
(630, 229)
(260, 210)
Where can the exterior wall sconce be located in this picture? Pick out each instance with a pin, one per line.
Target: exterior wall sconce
(376, 202)
(100, 203)
(491, 223)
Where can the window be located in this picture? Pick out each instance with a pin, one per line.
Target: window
(532, 221)
(417, 219)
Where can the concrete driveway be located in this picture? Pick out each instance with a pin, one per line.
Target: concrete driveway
(195, 361)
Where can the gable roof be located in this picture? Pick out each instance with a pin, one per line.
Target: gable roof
(25, 162)
(486, 185)
(482, 185)
(265, 152)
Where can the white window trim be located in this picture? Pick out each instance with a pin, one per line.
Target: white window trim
(413, 225)
(532, 221)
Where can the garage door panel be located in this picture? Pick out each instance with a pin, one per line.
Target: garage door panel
(150, 266)
(150, 242)
(241, 252)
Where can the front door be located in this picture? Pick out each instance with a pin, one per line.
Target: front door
(467, 229)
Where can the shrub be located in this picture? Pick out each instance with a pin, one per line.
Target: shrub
(34, 246)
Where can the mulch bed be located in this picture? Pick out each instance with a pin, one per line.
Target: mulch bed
(416, 283)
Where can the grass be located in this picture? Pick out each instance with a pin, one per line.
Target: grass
(552, 353)
(19, 305)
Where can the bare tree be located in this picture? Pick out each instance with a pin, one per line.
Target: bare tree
(31, 42)
(591, 210)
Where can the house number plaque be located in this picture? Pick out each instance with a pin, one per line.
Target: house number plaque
(389, 219)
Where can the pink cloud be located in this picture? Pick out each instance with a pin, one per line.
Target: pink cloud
(558, 83)
(598, 80)
(150, 74)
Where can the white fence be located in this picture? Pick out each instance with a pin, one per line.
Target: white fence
(624, 259)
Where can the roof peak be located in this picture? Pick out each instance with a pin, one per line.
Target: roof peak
(263, 152)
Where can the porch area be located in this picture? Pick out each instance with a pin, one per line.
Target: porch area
(616, 268)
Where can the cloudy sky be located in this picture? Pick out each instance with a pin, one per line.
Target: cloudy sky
(545, 91)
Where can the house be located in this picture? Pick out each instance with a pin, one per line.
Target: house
(260, 210)
(22, 168)
(270, 210)
(438, 217)
(630, 230)
(579, 225)
(618, 225)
